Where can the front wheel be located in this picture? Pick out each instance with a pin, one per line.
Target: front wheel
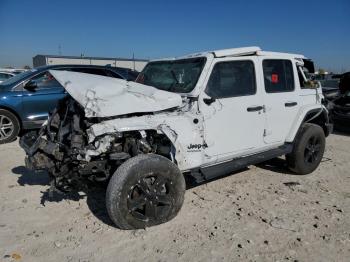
(9, 126)
(308, 149)
(146, 190)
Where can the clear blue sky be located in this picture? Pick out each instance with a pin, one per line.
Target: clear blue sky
(153, 29)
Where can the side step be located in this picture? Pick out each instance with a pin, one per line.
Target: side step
(221, 169)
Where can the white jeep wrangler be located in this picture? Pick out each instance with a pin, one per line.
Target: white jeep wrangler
(203, 115)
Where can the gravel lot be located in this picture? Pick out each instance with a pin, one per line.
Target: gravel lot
(263, 213)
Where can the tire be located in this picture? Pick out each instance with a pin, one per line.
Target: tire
(308, 149)
(146, 190)
(9, 126)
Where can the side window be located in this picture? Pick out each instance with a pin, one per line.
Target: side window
(45, 80)
(93, 71)
(4, 76)
(232, 79)
(115, 75)
(278, 76)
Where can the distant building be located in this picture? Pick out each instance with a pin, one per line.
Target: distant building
(42, 60)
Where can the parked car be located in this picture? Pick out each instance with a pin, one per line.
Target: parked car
(203, 115)
(340, 106)
(341, 112)
(27, 98)
(4, 75)
(330, 88)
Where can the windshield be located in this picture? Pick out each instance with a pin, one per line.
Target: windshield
(178, 76)
(17, 78)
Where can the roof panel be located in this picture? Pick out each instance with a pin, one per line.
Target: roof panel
(237, 51)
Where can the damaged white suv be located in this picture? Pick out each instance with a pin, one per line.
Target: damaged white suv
(203, 115)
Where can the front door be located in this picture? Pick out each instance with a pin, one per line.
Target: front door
(39, 101)
(233, 109)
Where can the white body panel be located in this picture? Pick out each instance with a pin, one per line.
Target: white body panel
(227, 121)
(106, 96)
(279, 117)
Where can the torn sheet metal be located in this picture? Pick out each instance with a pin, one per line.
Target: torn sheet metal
(105, 96)
(178, 127)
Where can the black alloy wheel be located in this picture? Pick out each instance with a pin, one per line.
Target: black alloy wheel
(312, 150)
(146, 190)
(151, 198)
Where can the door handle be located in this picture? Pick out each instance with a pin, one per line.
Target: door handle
(255, 108)
(290, 104)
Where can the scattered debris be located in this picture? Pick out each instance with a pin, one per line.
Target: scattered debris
(57, 244)
(291, 184)
(16, 256)
(200, 197)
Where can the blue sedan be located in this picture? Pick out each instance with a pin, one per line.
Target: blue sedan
(26, 99)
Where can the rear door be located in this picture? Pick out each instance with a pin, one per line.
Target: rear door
(280, 98)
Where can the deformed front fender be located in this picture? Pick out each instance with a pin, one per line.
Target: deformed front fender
(179, 128)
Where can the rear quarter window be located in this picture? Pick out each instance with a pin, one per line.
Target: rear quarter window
(278, 75)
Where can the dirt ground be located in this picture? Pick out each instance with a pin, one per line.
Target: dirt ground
(263, 213)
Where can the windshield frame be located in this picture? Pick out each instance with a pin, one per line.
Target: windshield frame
(178, 60)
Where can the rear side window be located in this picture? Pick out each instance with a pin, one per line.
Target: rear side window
(4, 76)
(232, 79)
(278, 76)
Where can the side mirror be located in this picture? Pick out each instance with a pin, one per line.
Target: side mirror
(209, 101)
(31, 86)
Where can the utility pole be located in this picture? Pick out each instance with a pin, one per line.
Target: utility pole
(133, 59)
(59, 50)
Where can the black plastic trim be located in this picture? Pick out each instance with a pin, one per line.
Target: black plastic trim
(207, 173)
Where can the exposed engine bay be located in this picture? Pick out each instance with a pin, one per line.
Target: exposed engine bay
(62, 148)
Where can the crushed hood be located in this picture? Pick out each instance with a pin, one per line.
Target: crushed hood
(103, 96)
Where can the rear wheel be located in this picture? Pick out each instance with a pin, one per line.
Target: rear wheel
(146, 190)
(308, 149)
(9, 126)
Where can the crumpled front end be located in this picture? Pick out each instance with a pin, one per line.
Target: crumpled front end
(104, 122)
(63, 149)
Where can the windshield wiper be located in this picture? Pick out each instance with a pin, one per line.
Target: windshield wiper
(171, 88)
(174, 76)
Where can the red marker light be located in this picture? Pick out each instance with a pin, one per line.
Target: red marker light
(274, 78)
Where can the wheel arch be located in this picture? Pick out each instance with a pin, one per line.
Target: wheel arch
(315, 115)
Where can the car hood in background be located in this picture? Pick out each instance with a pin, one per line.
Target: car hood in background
(105, 96)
